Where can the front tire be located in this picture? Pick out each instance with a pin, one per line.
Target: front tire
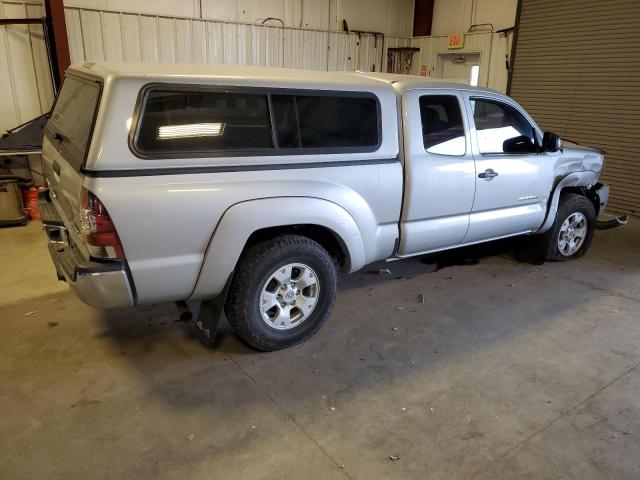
(572, 230)
(282, 292)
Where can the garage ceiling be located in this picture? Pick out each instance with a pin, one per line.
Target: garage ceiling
(577, 71)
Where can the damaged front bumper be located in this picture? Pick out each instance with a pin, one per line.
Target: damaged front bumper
(613, 221)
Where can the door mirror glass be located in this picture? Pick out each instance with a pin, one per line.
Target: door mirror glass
(519, 144)
(551, 142)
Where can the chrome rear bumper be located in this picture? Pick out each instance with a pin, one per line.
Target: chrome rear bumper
(99, 284)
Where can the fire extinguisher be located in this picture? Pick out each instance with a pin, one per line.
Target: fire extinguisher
(30, 200)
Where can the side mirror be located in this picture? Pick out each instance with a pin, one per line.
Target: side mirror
(551, 142)
(519, 144)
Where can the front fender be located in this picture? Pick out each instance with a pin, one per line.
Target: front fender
(242, 219)
(584, 178)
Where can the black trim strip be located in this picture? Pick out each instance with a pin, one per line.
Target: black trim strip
(146, 172)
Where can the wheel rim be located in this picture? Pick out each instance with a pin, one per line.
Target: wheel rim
(572, 234)
(289, 296)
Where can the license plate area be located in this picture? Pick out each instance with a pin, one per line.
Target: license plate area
(58, 235)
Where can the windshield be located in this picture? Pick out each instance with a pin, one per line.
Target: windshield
(71, 121)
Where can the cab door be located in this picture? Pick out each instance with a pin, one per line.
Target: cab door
(439, 171)
(514, 179)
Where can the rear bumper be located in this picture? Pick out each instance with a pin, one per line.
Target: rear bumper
(101, 285)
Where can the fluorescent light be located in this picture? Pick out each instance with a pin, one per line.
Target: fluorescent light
(169, 132)
(475, 73)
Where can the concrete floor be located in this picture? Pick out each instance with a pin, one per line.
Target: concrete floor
(508, 370)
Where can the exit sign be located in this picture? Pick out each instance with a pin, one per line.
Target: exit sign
(456, 40)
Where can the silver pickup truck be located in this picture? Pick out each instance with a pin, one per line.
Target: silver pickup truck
(247, 188)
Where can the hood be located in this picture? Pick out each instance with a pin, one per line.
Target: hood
(578, 158)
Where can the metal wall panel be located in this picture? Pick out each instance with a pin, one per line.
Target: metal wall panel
(576, 69)
(393, 17)
(25, 78)
(96, 35)
(490, 46)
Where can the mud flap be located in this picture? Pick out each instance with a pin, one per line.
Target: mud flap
(206, 315)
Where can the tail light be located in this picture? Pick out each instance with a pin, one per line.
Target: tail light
(98, 229)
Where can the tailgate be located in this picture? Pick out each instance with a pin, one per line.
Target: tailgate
(67, 136)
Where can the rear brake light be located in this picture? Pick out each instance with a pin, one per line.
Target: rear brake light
(98, 229)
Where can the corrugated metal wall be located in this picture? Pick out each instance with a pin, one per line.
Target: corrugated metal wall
(25, 80)
(96, 35)
(393, 17)
(492, 48)
(577, 70)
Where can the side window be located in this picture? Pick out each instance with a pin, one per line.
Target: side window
(500, 128)
(189, 122)
(442, 127)
(326, 121)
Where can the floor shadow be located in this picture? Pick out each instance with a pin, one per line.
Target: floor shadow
(138, 330)
(513, 249)
(142, 326)
(395, 340)
(382, 272)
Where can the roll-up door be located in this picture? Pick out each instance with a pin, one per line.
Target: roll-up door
(576, 69)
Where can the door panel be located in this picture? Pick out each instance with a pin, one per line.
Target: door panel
(512, 189)
(439, 187)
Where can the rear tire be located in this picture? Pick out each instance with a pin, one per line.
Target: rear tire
(282, 292)
(572, 231)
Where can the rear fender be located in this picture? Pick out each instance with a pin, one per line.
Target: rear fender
(242, 219)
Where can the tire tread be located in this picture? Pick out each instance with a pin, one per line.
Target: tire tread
(569, 202)
(237, 306)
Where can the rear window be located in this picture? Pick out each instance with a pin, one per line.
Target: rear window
(203, 123)
(71, 120)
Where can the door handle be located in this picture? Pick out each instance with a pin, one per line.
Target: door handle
(488, 174)
(56, 167)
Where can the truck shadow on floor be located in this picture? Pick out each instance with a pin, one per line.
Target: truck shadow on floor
(381, 273)
(367, 344)
(142, 326)
(511, 249)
